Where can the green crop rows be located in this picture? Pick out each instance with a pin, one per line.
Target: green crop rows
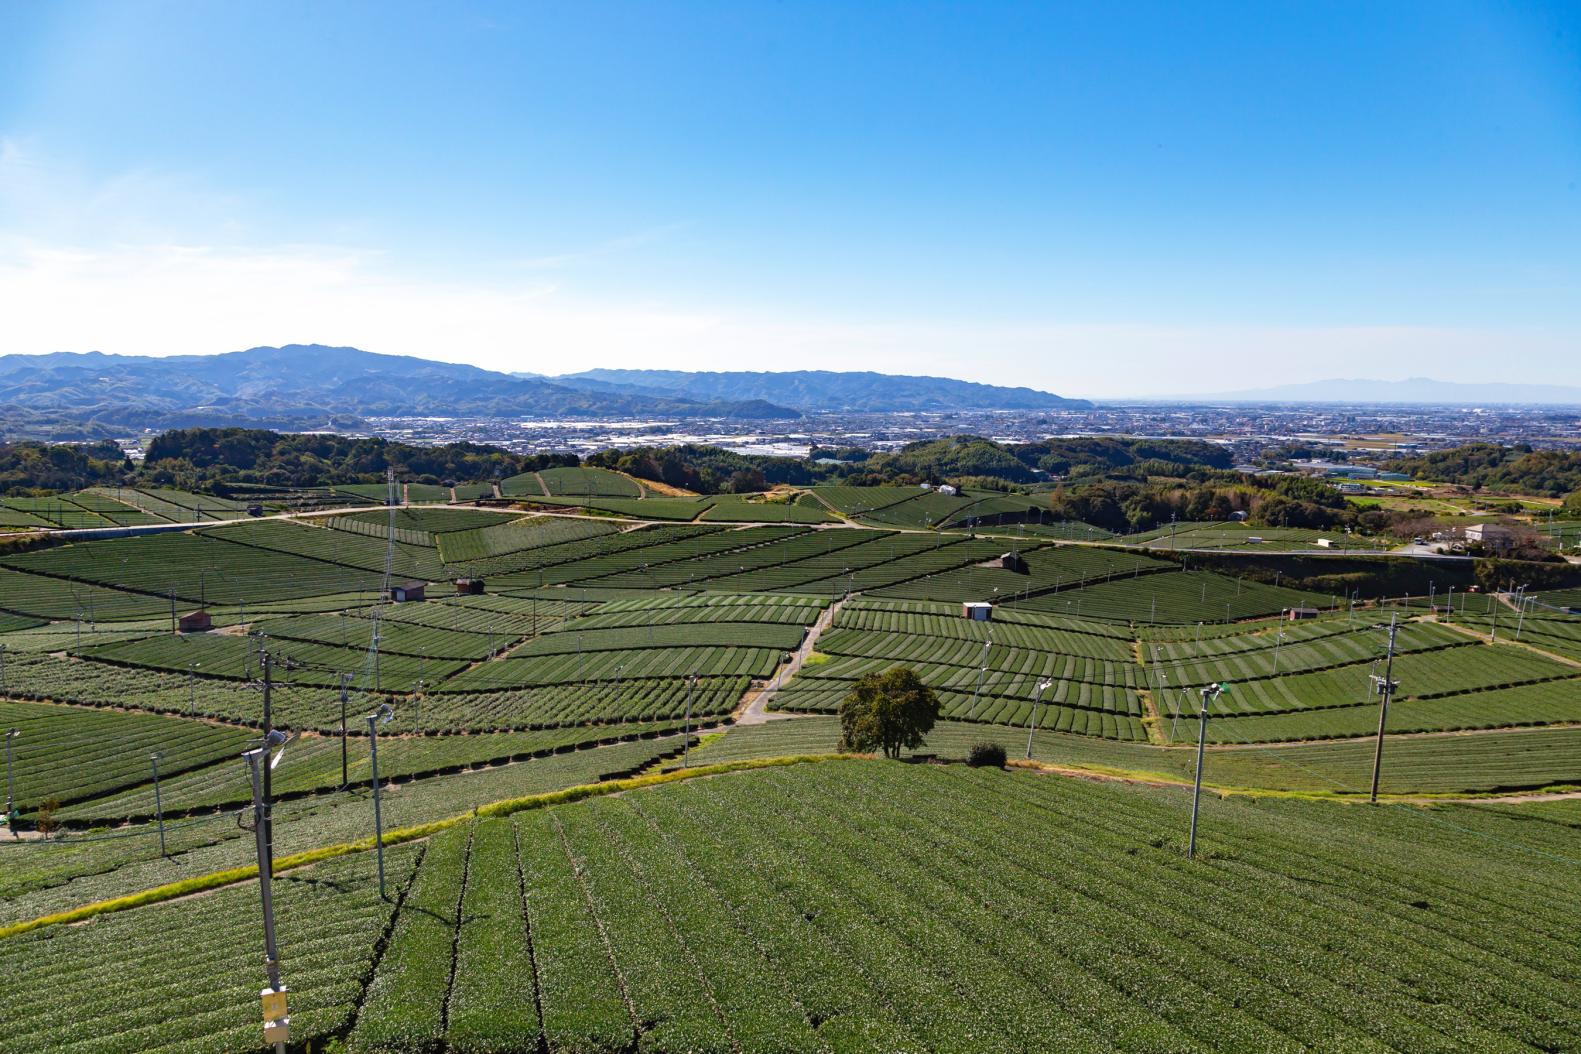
(195, 567)
(364, 548)
(971, 912)
(69, 754)
(315, 764)
(197, 967)
(589, 482)
(1546, 703)
(573, 639)
(614, 666)
(1190, 597)
(502, 539)
(300, 662)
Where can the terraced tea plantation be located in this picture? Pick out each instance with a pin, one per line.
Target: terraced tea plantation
(599, 636)
(979, 911)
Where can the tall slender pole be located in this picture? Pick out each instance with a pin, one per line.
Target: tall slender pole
(159, 810)
(10, 789)
(2, 669)
(686, 743)
(378, 817)
(1385, 688)
(1196, 791)
(1032, 721)
(258, 766)
(345, 780)
(267, 663)
(1523, 603)
(982, 670)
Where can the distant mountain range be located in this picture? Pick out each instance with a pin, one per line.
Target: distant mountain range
(820, 390)
(1421, 390)
(305, 385)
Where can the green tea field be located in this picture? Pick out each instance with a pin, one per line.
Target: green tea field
(548, 678)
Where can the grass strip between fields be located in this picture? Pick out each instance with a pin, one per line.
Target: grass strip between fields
(1426, 799)
(506, 807)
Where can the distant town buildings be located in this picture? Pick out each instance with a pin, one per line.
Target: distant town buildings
(1341, 470)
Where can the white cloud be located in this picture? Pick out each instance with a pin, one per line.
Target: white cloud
(159, 299)
(157, 263)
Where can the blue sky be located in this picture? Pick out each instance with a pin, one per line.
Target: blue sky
(1094, 199)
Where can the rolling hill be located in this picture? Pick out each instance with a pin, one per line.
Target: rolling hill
(821, 390)
(311, 382)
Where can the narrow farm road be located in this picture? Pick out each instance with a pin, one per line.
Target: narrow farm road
(754, 710)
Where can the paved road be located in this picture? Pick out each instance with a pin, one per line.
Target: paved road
(756, 711)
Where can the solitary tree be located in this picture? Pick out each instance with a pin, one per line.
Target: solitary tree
(887, 711)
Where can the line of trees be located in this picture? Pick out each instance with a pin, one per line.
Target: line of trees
(198, 458)
(28, 468)
(1516, 469)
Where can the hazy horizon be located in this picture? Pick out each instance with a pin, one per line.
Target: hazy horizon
(1139, 396)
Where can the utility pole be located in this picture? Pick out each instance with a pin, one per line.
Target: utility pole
(1522, 603)
(1032, 720)
(982, 669)
(277, 1023)
(159, 810)
(1211, 691)
(1385, 687)
(389, 549)
(686, 742)
(2, 669)
(377, 686)
(1279, 640)
(381, 716)
(10, 789)
(345, 780)
(265, 661)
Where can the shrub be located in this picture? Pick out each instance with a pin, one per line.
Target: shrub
(983, 754)
(44, 819)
